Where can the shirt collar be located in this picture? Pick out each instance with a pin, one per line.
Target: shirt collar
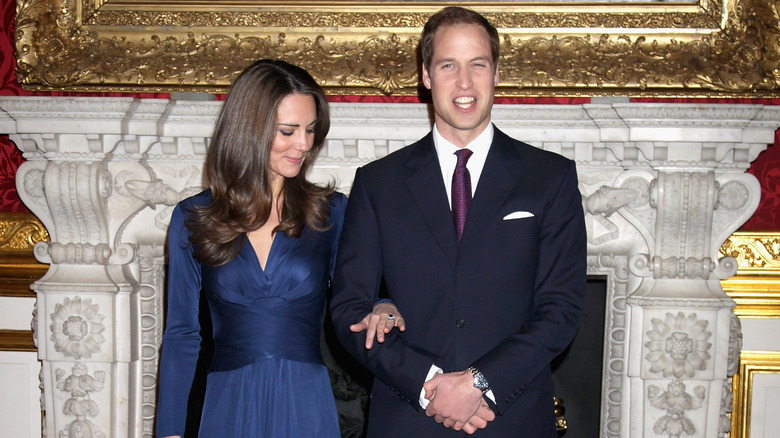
(479, 146)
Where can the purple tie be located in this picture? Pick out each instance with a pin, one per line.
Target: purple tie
(461, 191)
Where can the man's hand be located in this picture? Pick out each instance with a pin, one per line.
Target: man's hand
(456, 403)
(379, 322)
(480, 420)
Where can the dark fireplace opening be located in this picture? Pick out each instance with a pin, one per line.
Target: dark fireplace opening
(577, 372)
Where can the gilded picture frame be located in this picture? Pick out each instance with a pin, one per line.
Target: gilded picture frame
(686, 48)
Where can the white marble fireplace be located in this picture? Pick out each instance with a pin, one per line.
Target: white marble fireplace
(663, 186)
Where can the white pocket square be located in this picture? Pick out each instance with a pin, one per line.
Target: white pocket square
(518, 215)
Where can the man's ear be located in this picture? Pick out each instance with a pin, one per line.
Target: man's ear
(426, 77)
(496, 77)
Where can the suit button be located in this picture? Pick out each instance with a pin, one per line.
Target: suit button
(460, 323)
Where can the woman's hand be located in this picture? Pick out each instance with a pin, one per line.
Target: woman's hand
(379, 322)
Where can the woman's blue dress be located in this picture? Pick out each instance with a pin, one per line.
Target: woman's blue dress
(267, 377)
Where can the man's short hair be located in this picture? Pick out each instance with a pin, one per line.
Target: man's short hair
(452, 16)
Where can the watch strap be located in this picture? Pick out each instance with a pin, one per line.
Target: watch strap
(480, 382)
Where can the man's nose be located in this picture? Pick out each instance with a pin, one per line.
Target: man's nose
(464, 78)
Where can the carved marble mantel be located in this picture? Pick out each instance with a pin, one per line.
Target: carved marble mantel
(663, 186)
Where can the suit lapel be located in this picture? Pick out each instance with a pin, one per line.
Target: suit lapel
(495, 183)
(424, 180)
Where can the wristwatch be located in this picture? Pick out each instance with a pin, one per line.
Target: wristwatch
(480, 382)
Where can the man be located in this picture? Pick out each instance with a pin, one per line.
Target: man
(487, 303)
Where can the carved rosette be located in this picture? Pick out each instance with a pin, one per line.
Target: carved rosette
(682, 369)
(77, 328)
(678, 346)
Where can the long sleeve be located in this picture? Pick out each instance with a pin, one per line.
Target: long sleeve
(355, 290)
(181, 341)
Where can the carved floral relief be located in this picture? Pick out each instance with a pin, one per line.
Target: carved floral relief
(79, 384)
(675, 400)
(679, 345)
(77, 328)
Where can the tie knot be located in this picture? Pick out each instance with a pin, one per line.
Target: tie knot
(463, 157)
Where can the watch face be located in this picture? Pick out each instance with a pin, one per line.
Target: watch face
(479, 380)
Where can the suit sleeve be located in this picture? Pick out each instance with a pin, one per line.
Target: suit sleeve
(355, 290)
(337, 206)
(559, 295)
(181, 341)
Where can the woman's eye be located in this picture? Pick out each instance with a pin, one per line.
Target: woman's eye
(286, 133)
(310, 131)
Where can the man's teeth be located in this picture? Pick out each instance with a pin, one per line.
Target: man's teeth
(464, 102)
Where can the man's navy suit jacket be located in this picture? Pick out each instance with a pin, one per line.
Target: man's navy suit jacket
(506, 300)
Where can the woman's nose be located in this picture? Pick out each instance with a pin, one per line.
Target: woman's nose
(303, 141)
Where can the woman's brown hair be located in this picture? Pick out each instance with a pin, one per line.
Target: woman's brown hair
(237, 165)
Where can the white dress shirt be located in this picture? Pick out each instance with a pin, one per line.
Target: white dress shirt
(448, 160)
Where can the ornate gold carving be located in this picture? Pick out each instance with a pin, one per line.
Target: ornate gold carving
(756, 287)
(20, 231)
(750, 364)
(413, 20)
(714, 48)
(756, 253)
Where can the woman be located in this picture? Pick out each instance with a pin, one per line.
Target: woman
(260, 243)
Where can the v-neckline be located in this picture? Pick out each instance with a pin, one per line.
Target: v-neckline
(263, 269)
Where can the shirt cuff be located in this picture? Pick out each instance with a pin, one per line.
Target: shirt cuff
(432, 372)
(436, 370)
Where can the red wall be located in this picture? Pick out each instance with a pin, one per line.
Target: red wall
(766, 168)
